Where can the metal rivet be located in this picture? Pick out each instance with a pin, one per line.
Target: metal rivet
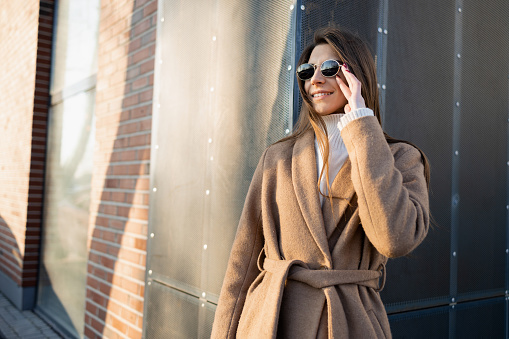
(152, 235)
(507, 250)
(506, 292)
(383, 87)
(453, 300)
(203, 295)
(456, 152)
(287, 131)
(207, 192)
(211, 158)
(457, 104)
(458, 55)
(385, 31)
(205, 246)
(452, 306)
(507, 207)
(149, 283)
(202, 305)
(162, 19)
(292, 7)
(154, 189)
(459, 9)
(453, 254)
(214, 38)
(149, 272)
(289, 67)
(302, 7)
(507, 120)
(508, 163)
(378, 85)
(380, 29)
(210, 140)
(156, 146)
(212, 89)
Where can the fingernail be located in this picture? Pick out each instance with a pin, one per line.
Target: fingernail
(346, 68)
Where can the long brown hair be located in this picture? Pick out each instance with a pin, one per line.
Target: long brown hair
(353, 51)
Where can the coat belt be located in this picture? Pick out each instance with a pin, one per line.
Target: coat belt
(324, 279)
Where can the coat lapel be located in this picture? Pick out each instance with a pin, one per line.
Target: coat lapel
(304, 177)
(342, 192)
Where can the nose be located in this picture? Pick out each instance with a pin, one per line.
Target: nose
(318, 77)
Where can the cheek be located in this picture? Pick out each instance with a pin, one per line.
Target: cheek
(306, 87)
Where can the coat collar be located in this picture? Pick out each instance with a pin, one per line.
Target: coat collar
(342, 193)
(304, 177)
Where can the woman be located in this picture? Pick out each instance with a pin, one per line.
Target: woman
(326, 207)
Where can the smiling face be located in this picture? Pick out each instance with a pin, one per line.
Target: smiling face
(324, 92)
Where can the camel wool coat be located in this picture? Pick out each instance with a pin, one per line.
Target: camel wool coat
(300, 270)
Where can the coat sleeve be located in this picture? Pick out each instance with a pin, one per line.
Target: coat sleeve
(242, 266)
(391, 189)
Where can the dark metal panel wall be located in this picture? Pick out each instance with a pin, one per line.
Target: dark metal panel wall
(418, 108)
(360, 17)
(223, 93)
(483, 149)
(481, 319)
(424, 324)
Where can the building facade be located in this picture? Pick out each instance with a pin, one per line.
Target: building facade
(131, 129)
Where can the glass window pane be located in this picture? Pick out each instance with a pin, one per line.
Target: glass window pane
(62, 278)
(76, 42)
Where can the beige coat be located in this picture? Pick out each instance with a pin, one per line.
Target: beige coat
(299, 271)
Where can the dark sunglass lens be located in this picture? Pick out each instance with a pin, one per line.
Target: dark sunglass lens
(305, 71)
(330, 68)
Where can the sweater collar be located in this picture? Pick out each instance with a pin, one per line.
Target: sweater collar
(331, 123)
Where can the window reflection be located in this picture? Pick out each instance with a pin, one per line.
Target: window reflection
(62, 275)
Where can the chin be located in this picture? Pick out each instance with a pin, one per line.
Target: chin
(329, 111)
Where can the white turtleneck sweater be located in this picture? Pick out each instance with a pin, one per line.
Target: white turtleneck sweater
(337, 149)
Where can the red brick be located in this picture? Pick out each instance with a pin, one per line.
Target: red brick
(147, 66)
(150, 8)
(139, 83)
(142, 27)
(138, 140)
(141, 111)
(134, 333)
(130, 100)
(143, 184)
(140, 3)
(146, 95)
(143, 154)
(140, 55)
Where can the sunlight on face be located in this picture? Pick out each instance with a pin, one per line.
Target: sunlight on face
(324, 92)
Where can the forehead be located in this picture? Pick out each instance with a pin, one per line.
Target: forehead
(321, 53)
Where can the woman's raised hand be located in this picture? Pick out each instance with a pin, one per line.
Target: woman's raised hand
(352, 91)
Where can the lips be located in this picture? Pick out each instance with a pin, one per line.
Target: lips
(320, 94)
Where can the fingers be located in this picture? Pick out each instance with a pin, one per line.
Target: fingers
(353, 83)
(344, 87)
(355, 99)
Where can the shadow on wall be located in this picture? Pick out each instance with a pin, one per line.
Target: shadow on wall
(112, 244)
(11, 260)
(11, 269)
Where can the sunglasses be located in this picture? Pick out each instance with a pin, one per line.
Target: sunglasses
(329, 68)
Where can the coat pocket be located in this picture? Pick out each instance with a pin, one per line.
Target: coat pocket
(377, 327)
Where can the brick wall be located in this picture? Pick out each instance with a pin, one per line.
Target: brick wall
(120, 184)
(26, 34)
